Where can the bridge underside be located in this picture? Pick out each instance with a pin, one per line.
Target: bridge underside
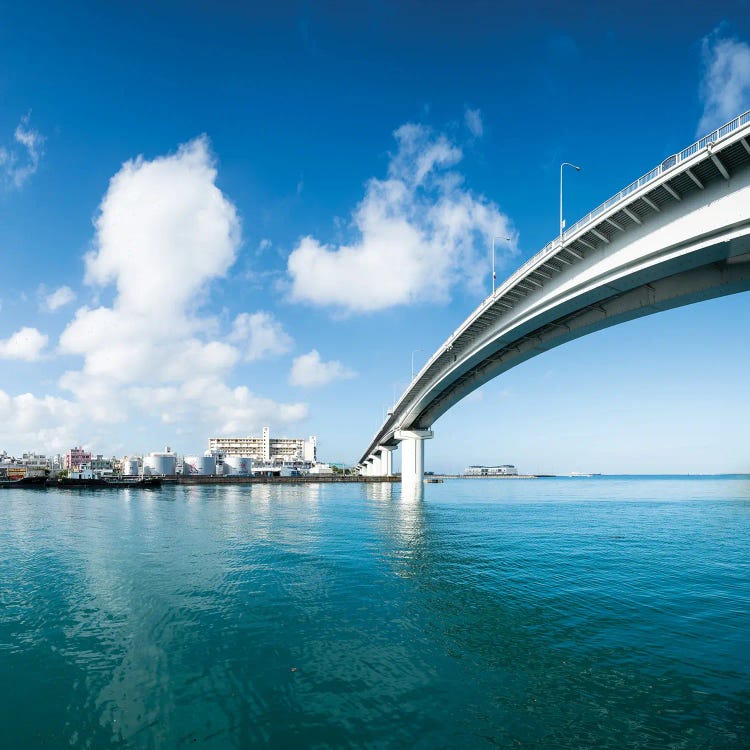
(715, 279)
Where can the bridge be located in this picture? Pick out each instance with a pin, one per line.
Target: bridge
(677, 235)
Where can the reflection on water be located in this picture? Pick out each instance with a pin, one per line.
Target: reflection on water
(381, 492)
(401, 522)
(412, 492)
(565, 614)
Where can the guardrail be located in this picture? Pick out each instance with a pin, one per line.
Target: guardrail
(669, 163)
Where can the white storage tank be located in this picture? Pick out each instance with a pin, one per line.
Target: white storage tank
(130, 467)
(199, 465)
(239, 466)
(158, 464)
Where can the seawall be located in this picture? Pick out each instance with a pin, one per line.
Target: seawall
(322, 479)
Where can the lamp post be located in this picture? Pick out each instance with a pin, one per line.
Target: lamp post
(507, 239)
(562, 221)
(412, 362)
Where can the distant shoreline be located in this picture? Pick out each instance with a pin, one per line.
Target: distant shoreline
(740, 475)
(488, 476)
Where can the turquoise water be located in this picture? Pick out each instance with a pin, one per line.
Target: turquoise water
(560, 613)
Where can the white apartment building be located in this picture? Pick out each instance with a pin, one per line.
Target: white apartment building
(266, 449)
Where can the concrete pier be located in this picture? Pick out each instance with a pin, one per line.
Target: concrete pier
(386, 460)
(412, 454)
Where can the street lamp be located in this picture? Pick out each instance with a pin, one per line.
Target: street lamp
(507, 239)
(412, 362)
(562, 221)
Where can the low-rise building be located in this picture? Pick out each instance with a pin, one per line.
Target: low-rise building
(30, 464)
(504, 470)
(75, 457)
(318, 469)
(99, 463)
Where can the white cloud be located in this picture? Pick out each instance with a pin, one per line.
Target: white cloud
(26, 344)
(260, 335)
(59, 298)
(309, 371)
(17, 165)
(43, 423)
(212, 402)
(725, 86)
(164, 233)
(420, 234)
(473, 120)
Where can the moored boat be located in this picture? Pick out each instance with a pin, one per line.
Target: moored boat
(33, 482)
(105, 482)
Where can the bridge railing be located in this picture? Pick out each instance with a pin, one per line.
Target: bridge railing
(554, 245)
(667, 164)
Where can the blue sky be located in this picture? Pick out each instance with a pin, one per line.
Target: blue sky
(219, 216)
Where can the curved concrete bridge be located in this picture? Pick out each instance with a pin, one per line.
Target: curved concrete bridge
(679, 234)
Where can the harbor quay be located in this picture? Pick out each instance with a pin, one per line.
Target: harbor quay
(260, 479)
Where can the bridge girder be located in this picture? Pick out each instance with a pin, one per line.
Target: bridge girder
(699, 284)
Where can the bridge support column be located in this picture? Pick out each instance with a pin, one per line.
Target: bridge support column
(386, 460)
(412, 455)
(375, 468)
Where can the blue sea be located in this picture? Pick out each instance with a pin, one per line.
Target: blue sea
(602, 612)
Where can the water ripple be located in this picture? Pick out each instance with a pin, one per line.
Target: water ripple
(555, 614)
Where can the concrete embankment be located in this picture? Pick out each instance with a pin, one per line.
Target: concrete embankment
(320, 479)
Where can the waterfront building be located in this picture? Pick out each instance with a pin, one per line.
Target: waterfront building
(265, 448)
(99, 463)
(35, 458)
(505, 470)
(30, 464)
(277, 470)
(75, 457)
(318, 469)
